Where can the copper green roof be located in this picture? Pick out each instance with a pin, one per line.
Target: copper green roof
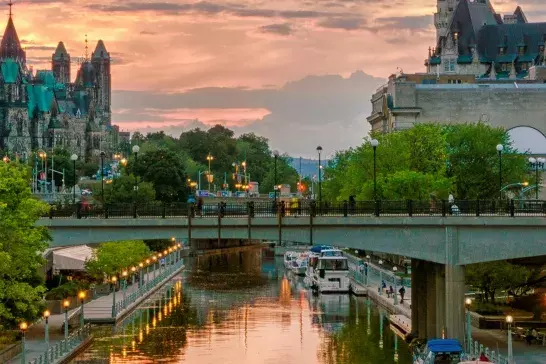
(10, 70)
(47, 78)
(464, 59)
(435, 60)
(39, 98)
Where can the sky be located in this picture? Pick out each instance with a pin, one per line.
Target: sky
(298, 72)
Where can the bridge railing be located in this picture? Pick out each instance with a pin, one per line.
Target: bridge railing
(271, 208)
(55, 353)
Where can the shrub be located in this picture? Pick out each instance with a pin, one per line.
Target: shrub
(488, 309)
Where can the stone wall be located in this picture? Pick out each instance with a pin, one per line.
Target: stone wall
(506, 105)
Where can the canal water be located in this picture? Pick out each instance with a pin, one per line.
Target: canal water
(243, 308)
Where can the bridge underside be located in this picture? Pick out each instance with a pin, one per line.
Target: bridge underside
(455, 240)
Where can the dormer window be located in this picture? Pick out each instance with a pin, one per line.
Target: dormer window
(521, 50)
(502, 51)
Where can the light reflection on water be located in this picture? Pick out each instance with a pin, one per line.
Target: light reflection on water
(243, 308)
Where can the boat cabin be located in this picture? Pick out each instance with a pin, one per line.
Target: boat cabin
(442, 351)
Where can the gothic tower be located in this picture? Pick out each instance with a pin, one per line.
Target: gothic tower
(60, 64)
(442, 17)
(10, 47)
(101, 64)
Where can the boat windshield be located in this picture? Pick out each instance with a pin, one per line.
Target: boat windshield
(332, 253)
(333, 264)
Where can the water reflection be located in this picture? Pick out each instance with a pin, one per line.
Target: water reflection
(243, 308)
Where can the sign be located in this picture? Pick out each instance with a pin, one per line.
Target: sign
(225, 194)
(271, 194)
(202, 193)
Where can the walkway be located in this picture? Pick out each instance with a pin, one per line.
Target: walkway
(99, 309)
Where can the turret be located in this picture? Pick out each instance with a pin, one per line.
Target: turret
(10, 47)
(101, 64)
(60, 64)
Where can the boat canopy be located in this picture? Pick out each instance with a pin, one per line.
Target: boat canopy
(444, 346)
(319, 248)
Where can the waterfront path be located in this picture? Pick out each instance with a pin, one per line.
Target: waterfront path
(97, 310)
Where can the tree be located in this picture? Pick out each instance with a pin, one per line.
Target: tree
(112, 257)
(121, 190)
(286, 174)
(21, 247)
(494, 276)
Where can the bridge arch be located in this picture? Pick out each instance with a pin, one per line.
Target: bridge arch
(526, 138)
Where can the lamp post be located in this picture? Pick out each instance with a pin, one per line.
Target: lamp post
(74, 158)
(394, 269)
(509, 320)
(133, 276)
(81, 296)
(124, 285)
(46, 318)
(102, 155)
(319, 151)
(467, 304)
(136, 149)
(276, 156)
(114, 279)
(23, 326)
(140, 274)
(147, 269)
(367, 269)
(209, 159)
(380, 288)
(500, 147)
(154, 258)
(536, 162)
(374, 144)
(66, 304)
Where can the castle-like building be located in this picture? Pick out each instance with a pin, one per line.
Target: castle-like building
(44, 110)
(483, 67)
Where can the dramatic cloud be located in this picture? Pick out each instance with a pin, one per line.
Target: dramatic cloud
(280, 29)
(342, 23)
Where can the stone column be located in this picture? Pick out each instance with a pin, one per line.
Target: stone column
(419, 297)
(433, 286)
(454, 301)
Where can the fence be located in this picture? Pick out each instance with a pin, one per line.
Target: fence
(409, 208)
(476, 349)
(10, 352)
(374, 274)
(64, 347)
(145, 288)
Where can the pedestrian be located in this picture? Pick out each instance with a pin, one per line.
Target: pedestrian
(402, 292)
(455, 210)
(200, 206)
(391, 291)
(352, 204)
(484, 358)
(366, 269)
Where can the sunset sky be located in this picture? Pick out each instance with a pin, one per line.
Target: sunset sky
(299, 72)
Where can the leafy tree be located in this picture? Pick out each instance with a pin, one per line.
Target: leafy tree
(121, 190)
(21, 245)
(86, 169)
(112, 257)
(158, 245)
(494, 276)
(286, 174)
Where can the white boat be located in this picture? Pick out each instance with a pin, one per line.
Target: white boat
(299, 265)
(290, 257)
(329, 274)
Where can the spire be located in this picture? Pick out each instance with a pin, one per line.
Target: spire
(100, 51)
(86, 49)
(10, 47)
(10, 4)
(60, 52)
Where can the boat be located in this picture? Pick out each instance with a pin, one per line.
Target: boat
(299, 265)
(448, 351)
(290, 257)
(329, 274)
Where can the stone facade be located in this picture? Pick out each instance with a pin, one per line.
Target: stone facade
(44, 110)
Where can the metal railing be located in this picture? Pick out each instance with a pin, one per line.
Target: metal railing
(64, 347)
(476, 349)
(409, 208)
(132, 297)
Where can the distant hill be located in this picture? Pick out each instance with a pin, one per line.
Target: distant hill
(308, 166)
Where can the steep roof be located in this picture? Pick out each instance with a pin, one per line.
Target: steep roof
(100, 51)
(60, 52)
(520, 16)
(10, 47)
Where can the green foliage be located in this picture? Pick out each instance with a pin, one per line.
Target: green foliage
(494, 276)
(286, 174)
(426, 161)
(21, 247)
(487, 309)
(110, 258)
(69, 289)
(121, 190)
(158, 245)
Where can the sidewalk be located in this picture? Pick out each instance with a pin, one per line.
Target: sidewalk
(100, 308)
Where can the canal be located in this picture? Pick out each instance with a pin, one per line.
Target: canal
(244, 308)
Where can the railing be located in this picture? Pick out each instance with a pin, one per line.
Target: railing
(409, 208)
(374, 276)
(476, 349)
(10, 352)
(62, 348)
(146, 287)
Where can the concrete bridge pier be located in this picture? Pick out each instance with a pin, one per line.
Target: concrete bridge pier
(437, 300)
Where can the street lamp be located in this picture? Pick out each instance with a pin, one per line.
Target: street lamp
(114, 279)
(136, 149)
(140, 274)
(276, 156)
(124, 284)
(374, 143)
(6, 159)
(74, 158)
(147, 269)
(509, 320)
(46, 317)
(467, 304)
(536, 162)
(81, 296)
(500, 147)
(319, 151)
(102, 155)
(380, 288)
(66, 304)
(209, 175)
(23, 326)
(133, 270)
(394, 269)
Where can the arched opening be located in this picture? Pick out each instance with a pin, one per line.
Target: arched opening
(528, 139)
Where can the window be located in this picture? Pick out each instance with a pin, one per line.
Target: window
(524, 66)
(505, 67)
(521, 50)
(502, 51)
(449, 65)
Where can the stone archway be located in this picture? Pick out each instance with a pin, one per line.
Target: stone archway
(528, 139)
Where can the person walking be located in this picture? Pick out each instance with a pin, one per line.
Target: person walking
(402, 292)
(200, 206)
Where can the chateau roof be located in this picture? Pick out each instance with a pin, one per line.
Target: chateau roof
(10, 47)
(60, 52)
(520, 16)
(100, 51)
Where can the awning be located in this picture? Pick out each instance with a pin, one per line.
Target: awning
(72, 258)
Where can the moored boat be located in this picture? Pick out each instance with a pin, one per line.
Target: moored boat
(299, 265)
(445, 351)
(289, 258)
